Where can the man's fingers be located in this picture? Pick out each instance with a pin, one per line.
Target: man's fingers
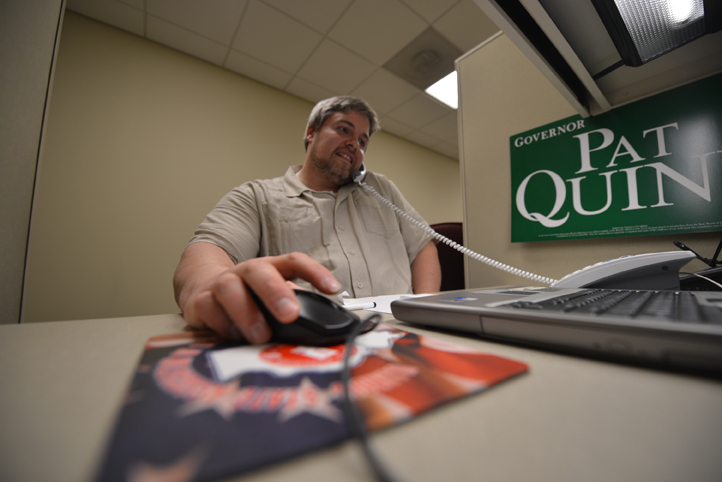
(232, 295)
(207, 313)
(227, 307)
(267, 277)
(264, 278)
(299, 265)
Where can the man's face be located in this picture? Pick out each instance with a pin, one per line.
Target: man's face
(337, 148)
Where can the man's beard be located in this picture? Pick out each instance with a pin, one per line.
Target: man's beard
(338, 173)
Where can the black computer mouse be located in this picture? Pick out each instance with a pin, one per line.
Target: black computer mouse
(321, 321)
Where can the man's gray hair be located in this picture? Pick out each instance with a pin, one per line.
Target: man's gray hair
(341, 103)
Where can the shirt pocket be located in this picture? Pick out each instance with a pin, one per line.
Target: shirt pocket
(294, 227)
(377, 219)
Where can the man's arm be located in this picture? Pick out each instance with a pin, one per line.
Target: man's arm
(212, 291)
(426, 271)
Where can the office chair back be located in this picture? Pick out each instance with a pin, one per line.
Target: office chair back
(452, 261)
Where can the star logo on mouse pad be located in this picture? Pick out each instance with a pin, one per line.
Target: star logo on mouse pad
(204, 408)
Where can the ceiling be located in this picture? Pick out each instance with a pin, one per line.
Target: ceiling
(315, 49)
(578, 34)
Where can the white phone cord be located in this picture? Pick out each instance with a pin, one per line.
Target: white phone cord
(457, 246)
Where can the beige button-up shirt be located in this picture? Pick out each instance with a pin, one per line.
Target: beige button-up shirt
(359, 239)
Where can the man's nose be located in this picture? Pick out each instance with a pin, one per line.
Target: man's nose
(355, 143)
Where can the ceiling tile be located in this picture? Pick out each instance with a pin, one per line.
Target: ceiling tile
(419, 111)
(451, 150)
(215, 19)
(422, 139)
(336, 68)
(111, 12)
(359, 28)
(394, 127)
(384, 91)
(425, 60)
(444, 128)
(139, 4)
(186, 41)
(306, 90)
(465, 25)
(257, 70)
(320, 15)
(268, 34)
(430, 10)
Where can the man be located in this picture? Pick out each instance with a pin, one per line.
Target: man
(314, 226)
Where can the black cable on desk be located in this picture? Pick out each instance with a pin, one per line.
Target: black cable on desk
(715, 258)
(353, 418)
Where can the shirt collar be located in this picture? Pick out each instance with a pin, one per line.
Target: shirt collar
(294, 187)
(292, 184)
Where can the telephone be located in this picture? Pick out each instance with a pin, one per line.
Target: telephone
(360, 175)
(651, 271)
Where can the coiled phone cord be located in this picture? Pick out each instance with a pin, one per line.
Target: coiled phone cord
(455, 245)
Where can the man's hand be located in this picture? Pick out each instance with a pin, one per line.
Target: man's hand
(213, 293)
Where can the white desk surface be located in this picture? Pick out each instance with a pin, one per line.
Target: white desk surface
(568, 419)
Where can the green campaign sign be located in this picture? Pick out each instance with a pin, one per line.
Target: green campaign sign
(650, 167)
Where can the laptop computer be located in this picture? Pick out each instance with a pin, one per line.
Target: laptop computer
(674, 329)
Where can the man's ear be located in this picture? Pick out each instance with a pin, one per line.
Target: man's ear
(310, 134)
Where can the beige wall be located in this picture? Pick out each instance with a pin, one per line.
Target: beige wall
(496, 103)
(142, 142)
(29, 31)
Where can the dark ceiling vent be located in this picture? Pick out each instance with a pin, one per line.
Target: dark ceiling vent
(425, 60)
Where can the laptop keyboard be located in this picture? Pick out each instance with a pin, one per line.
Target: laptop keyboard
(679, 306)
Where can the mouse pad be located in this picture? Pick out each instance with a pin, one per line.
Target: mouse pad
(200, 408)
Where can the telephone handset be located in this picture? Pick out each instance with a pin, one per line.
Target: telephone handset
(360, 175)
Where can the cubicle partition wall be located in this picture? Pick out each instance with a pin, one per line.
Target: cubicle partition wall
(496, 104)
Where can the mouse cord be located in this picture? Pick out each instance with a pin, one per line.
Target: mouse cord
(457, 246)
(355, 423)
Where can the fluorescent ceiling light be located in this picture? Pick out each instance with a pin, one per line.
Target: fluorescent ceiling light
(681, 11)
(446, 90)
(643, 30)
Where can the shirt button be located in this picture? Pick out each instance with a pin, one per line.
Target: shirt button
(360, 284)
(341, 227)
(351, 251)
